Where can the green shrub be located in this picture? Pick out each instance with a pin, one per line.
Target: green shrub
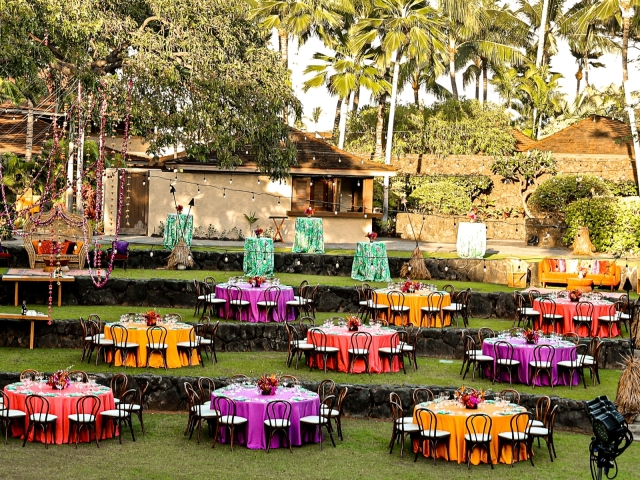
(474, 185)
(614, 223)
(555, 193)
(623, 188)
(442, 197)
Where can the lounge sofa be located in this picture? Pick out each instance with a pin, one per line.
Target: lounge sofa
(604, 273)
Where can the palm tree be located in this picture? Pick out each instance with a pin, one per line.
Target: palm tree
(421, 73)
(405, 29)
(541, 89)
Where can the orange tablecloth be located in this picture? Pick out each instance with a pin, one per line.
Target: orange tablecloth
(62, 404)
(138, 334)
(454, 422)
(415, 301)
(567, 309)
(340, 337)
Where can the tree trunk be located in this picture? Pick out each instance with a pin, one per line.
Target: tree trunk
(523, 196)
(578, 78)
(452, 69)
(626, 17)
(29, 145)
(485, 80)
(389, 148)
(586, 71)
(336, 118)
(415, 85)
(343, 122)
(543, 32)
(283, 40)
(379, 151)
(70, 169)
(356, 100)
(478, 86)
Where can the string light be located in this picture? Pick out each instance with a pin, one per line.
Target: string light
(253, 197)
(204, 178)
(198, 189)
(278, 200)
(231, 179)
(224, 193)
(258, 180)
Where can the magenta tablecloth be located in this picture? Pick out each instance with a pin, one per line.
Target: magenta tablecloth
(252, 405)
(523, 352)
(255, 295)
(567, 309)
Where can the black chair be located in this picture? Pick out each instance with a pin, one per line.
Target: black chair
(191, 346)
(518, 435)
(513, 396)
(335, 413)
(612, 318)
(550, 316)
(472, 356)
(421, 395)
(122, 345)
(320, 348)
(360, 347)
(317, 422)
(583, 317)
(542, 362)
(199, 412)
(575, 365)
(296, 346)
(118, 386)
(99, 343)
(503, 353)
(433, 311)
(455, 309)
(227, 419)
(138, 408)
(392, 352)
(86, 415)
(397, 308)
(270, 302)
(278, 421)
(526, 315)
(478, 435)
(325, 388)
(235, 301)
(8, 415)
(401, 426)
(157, 343)
(39, 417)
(86, 338)
(374, 309)
(546, 432)
(121, 415)
(206, 387)
(409, 344)
(428, 432)
(208, 334)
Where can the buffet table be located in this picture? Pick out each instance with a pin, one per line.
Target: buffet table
(258, 256)
(309, 236)
(370, 262)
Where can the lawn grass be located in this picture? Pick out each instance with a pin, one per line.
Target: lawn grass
(431, 371)
(164, 453)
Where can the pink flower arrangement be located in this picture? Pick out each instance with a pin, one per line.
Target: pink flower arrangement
(308, 211)
(411, 287)
(531, 336)
(258, 231)
(469, 397)
(268, 384)
(372, 236)
(257, 280)
(60, 379)
(151, 317)
(353, 323)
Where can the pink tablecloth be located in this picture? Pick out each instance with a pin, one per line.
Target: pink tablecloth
(255, 295)
(62, 404)
(340, 337)
(567, 309)
(523, 352)
(252, 405)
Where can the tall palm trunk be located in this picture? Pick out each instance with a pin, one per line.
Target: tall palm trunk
(356, 100)
(415, 85)
(626, 10)
(379, 151)
(586, 71)
(29, 146)
(336, 118)
(485, 80)
(452, 68)
(343, 122)
(389, 147)
(578, 78)
(283, 41)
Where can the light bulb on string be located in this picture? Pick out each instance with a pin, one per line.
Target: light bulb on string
(278, 200)
(258, 181)
(231, 179)
(337, 265)
(198, 188)
(224, 193)
(358, 182)
(253, 197)
(204, 178)
(226, 259)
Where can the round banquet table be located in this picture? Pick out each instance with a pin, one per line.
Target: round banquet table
(340, 337)
(567, 309)
(176, 333)
(252, 405)
(62, 403)
(452, 417)
(415, 301)
(523, 352)
(254, 295)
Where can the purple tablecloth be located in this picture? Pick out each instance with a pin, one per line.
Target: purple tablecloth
(255, 295)
(252, 405)
(523, 352)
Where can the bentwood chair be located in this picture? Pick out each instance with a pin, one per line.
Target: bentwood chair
(191, 346)
(513, 396)
(86, 338)
(401, 427)
(320, 348)
(397, 308)
(335, 414)
(227, 421)
(583, 317)
(317, 422)
(546, 432)
(118, 386)
(392, 352)
(478, 435)
(526, 315)
(278, 421)
(550, 317)
(199, 412)
(473, 357)
(122, 345)
(297, 346)
(137, 408)
(428, 432)
(86, 416)
(421, 395)
(360, 347)
(28, 374)
(542, 362)
(455, 310)
(38, 415)
(121, 415)
(573, 366)
(433, 311)
(325, 388)
(157, 344)
(612, 318)
(235, 301)
(8, 415)
(519, 434)
(269, 303)
(206, 387)
(208, 334)
(503, 352)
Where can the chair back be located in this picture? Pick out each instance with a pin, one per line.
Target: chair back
(510, 394)
(396, 411)
(544, 353)
(278, 410)
(543, 405)
(234, 293)
(156, 336)
(318, 338)
(88, 405)
(306, 322)
(515, 331)
(119, 384)
(120, 335)
(175, 316)
(469, 345)
(450, 289)
(394, 344)
(271, 294)
(502, 350)
(485, 332)
(239, 378)
(37, 405)
(519, 300)
(94, 317)
(326, 388)
(193, 339)
(421, 395)
(478, 426)
(521, 423)
(328, 404)
(584, 309)
(361, 341)
(427, 420)
(85, 328)
(571, 337)
(581, 350)
(616, 309)
(210, 281)
(551, 419)
(434, 300)
(128, 401)
(28, 374)
(548, 307)
(341, 396)
(289, 380)
(533, 296)
(6, 404)
(74, 374)
(226, 406)
(206, 386)
(195, 403)
(395, 299)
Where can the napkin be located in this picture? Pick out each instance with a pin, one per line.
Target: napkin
(489, 402)
(443, 412)
(514, 405)
(297, 399)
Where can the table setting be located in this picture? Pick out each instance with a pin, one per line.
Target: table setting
(416, 296)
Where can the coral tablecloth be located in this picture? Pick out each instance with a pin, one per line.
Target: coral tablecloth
(415, 301)
(309, 236)
(370, 262)
(138, 334)
(258, 256)
(62, 404)
(523, 352)
(252, 405)
(452, 417)
(567, 309)
(255, 295)
(340, 337)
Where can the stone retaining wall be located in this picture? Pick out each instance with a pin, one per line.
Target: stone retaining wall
(166, 393)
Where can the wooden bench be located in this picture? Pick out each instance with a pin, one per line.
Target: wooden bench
(57, 226)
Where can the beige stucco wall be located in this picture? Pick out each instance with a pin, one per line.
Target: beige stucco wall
(225, 213)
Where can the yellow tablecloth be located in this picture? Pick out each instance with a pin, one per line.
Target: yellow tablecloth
(415, 301)
(454, 422)
(138, 334)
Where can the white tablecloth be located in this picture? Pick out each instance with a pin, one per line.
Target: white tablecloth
(472, 240)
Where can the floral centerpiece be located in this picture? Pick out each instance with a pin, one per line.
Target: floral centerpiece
(582, 272)
(353, 323)
(268, 384)
(60, 379)
(258, 231)
(410, 287)
(472, 216)
(257, 281)
(308, 211)
(151, 317)
(179, 209)
(372, 236)
(469, 397)
(574, 295)
(531, 336)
